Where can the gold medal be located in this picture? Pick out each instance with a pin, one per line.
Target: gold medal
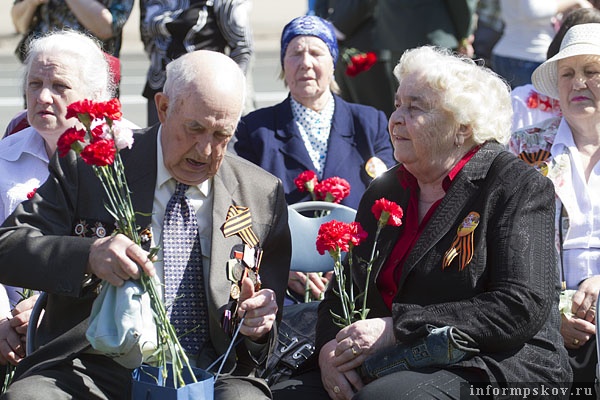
(375, 167)
(469, 224)
(234, 292)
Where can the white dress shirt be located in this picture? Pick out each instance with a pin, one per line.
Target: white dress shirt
(201, 197)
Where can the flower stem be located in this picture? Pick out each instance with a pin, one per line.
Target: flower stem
(364, 311)
(341, 281)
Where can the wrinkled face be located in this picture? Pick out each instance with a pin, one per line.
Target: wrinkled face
(195, 133)
(308, 68)
(52, 84)
(579, 86)
(422, 132)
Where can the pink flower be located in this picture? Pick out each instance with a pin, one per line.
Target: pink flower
(123, 136)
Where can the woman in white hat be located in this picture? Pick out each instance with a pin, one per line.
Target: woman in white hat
(567, 150)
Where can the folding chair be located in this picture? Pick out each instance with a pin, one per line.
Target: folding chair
(304, 227)
(296, 334)
(34, 319)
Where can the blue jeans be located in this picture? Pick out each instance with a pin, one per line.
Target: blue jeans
(516, 72)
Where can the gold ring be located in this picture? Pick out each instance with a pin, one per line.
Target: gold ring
(575, 342)
(336, 389)
(354, 351)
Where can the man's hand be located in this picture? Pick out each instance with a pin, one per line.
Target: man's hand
(117, 259)
(259, 308)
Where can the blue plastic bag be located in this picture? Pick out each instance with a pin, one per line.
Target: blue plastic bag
(147, 385)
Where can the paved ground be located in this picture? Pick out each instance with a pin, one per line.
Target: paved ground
(268, 18)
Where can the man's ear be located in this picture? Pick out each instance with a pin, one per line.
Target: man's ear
(162, 105)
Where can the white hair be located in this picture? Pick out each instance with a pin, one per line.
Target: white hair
(77, 49)
(216, 70)
(473, 94)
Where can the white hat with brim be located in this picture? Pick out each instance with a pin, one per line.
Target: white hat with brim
(583, 39)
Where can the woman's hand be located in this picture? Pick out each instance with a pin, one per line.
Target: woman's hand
(576, 331)
(359, 340)
(586, 298)
(316, 283)
(339, 385)
(12, 348)
(20, 316)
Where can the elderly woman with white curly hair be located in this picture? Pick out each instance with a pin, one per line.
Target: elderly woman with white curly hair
(465, 292)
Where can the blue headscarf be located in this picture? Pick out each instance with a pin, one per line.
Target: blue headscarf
(310, 25)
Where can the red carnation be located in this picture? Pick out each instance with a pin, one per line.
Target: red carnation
(100, 153)
(387, 212)
(357, 62)
(352, 70)
(67, 139)
(82, 107)
(334, 235)
(333, 189)
(357, 233)
(98, 132)
(306, 181)
(110, 109)
(32, 193)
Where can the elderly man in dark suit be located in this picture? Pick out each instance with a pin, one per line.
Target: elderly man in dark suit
(199, 110)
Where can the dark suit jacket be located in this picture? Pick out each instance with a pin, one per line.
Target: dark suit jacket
(355, 19)
(38, 248)
(269, 138)
(405, 24)
(506, 299)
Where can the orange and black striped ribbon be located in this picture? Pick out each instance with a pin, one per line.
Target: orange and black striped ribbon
(535, 158)
(463, 242)
(463, 246)
(239, 221)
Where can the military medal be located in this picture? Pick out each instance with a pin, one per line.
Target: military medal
(245, 263)
(537, 160)
(463, 242)
(234, 292)
(375, 167)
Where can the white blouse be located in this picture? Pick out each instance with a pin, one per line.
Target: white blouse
(581, 199)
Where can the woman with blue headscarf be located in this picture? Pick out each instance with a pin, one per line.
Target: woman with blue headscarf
(313, 128)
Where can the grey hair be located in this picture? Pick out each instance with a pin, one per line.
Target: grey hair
(473, 94)
(82, 50)
(183, 74)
